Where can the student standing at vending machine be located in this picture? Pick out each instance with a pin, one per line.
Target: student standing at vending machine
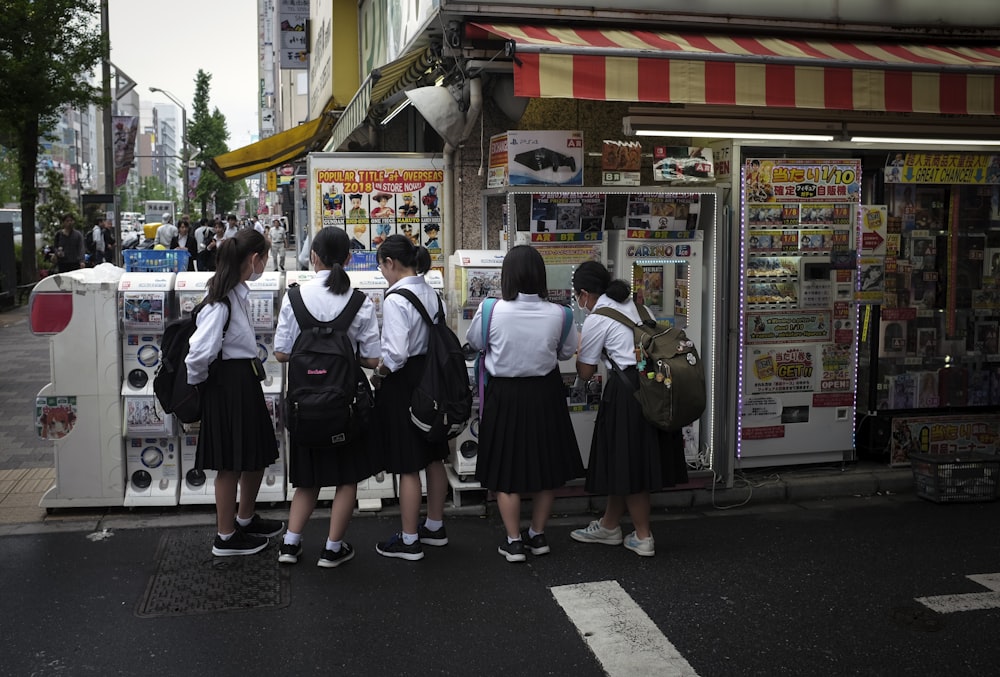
(405, 338)
(526, 439)
(310, 469)
(629, 457)
(236, 438)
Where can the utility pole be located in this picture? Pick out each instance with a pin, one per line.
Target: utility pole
(109, 151)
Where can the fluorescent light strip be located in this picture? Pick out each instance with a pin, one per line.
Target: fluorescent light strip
(925, 142)
(777, 136)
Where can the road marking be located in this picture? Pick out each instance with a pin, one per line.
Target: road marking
(619, 633)
(972, 601)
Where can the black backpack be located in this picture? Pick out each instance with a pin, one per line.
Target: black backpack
(441, 405)
(328, 400)
(170, 384)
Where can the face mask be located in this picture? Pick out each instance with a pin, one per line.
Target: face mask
(254, 276)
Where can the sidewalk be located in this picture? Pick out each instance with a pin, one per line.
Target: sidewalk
(27, 465)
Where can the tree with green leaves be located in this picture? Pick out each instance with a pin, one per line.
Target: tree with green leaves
(9, 187)
(47, 48)
(208, 133)
(57, 202)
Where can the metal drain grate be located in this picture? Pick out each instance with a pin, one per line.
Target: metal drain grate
(189, 580)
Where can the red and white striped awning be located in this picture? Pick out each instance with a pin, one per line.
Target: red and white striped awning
(610, 64)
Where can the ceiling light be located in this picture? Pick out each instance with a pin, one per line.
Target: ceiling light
(723, 134)
(925, 142)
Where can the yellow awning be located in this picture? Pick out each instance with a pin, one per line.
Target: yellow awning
(380, 84)
(274, 150)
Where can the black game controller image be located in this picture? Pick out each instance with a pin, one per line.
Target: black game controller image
(540, 158)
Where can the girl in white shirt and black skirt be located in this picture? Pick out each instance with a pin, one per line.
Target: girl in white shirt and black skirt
(401, 446)
(526, 440)
(236, 437)
(310, 469)
(629, 457)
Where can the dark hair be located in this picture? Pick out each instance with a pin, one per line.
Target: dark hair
(332, 246)
(231, 217)
(229, 258)
(591, 276)
(523, 272)
(399, 248)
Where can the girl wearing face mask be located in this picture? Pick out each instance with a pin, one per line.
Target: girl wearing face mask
(236, 437)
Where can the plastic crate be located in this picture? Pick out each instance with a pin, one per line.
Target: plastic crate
(156, 260)
(957, 478)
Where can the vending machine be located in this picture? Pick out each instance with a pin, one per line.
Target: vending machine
(262, 310)
(474, 276)
(197, 486)
(80, 409)
(152, 453)
(373, 284)
(798, 320)
(661, 253)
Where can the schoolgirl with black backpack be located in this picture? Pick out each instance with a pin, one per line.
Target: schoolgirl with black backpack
(326, 332)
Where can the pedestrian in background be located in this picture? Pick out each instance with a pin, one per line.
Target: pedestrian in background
(277, 237)
(232, 226)
(202, 235)
(310, 469)
(236, 437)
(166, 231)
(69, 247)
(97, 243)
(404, 451)
(526, 439)
(108, 240)
(185, 241)
(629, 457)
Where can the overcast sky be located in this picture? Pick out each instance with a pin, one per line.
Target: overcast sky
(163, 44)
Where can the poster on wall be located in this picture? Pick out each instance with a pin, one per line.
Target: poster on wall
(948, 435)
(670, 212)
(373, 198)
(683, 164)
(54, 416)
(621, 163)
(788, 326)
(567, 213)
(942, 168)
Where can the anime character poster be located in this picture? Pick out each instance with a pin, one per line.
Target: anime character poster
(54, 417)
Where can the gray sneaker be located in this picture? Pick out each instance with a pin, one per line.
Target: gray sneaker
(595, 533)
(641, 546)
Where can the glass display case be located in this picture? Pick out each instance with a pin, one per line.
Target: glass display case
(929, 346)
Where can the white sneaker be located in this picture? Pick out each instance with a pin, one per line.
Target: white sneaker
(595, 533)
(640, 546)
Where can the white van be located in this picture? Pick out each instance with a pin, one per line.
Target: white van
(14, 216)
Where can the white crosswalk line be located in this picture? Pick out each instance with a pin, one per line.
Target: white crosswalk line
(623, 638)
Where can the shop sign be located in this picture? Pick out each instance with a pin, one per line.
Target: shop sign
(780, 370)
(943, 435)
(788, 326)
(802, 180)
(943, 168)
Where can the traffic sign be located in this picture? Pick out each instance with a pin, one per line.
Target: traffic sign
(123, 83)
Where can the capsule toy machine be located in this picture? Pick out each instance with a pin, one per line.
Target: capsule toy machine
(373, 284)
(197, 486)
(152, 453)
(80, 409)
(262, 311)
(474, 276)
(661, 254)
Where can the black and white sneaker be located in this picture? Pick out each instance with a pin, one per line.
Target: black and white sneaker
(330, 559)
(428, 537)
(240, 543)
(513, 552)
(538, 545)
(289, 554)
(263, 527)
(395, 547)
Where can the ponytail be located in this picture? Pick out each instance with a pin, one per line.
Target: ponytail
(229, 258)
(332, 247)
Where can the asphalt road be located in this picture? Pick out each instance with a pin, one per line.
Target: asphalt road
(825, 588)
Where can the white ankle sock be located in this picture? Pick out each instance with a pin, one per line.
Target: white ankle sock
(409, 539)
(433, 525)
(333, 546)
(292, 538)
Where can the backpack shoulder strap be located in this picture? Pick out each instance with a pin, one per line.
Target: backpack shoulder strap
(229, 312)
(412, 298)
(567, 324)
(488, 305)
(304, 318)
(644, 315)
(343, 321)
(616, 315)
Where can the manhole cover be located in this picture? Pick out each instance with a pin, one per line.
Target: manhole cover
(189, 580)
(917, 617)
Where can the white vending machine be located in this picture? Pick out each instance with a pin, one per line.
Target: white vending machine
(197, 486)
(262, 310)
(80, 409)
(373, 284)
(798, 316)
(474, 276)
(152, 453)
(671, 272)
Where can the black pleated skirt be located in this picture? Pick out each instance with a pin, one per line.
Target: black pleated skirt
(330, 467)
(236, 430)
(627, 454)
(526, 440)
(397, 445)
